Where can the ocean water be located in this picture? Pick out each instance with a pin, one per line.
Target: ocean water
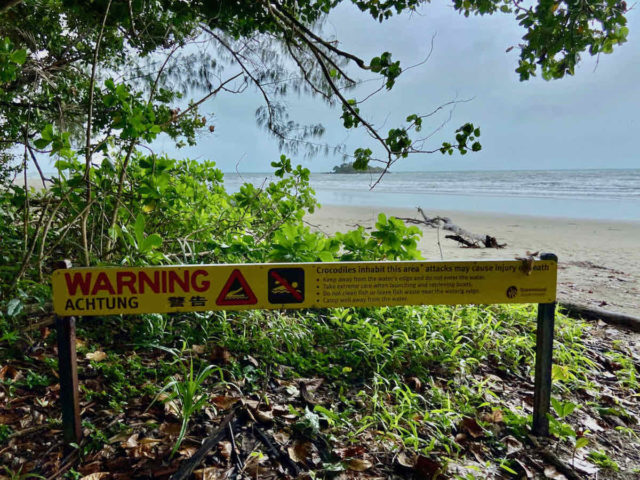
(586, 194)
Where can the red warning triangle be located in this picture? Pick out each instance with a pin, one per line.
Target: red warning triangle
(236, 291)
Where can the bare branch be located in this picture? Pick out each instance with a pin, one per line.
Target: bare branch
(7, 4)
(235, 55)
(35, 162)
(89, 151)
(320, 40)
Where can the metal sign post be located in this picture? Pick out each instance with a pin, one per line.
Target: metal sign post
(544, 363)
(68, 371)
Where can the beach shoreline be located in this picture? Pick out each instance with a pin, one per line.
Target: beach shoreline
(598, 260)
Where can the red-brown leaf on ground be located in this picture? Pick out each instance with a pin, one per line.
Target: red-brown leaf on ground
(281, 437)
(349, 452)
(118, 463)
(494, 417)
(358, 464)
(513, 445)
(131, 442)
(187, 452)
(9, 372)
(312, 384)
(223, 402)
(306, 395)
(220, 355)
(414, 384)
(263, 416)
(528, 473)
(210, 473)
(470, 425)
(96, 476)
(121, 476)
(280, 410)
(97, 356)
(225, 449)
(170, 428)
(252, 404)
(7, 418)
(406, 460)
(428, 469)
(300, 451)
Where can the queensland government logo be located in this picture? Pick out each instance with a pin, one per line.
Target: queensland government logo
(512, 291)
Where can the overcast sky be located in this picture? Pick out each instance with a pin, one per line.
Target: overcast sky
(586, 121)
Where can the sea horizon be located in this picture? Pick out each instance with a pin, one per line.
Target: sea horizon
(597, 194)
(487, 170)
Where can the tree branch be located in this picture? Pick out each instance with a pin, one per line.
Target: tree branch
(89, 152)
(7, 4)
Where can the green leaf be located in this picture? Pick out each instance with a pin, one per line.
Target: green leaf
(326, 256)
(508, 469)
(569, 408)
(47, 132)
(581, 442)
(19, 56)
(152, 241)
(560, 373)
(376, 64)
(138, 229)
(41, 143)
(328, 414)
(14, 307)
(563, 409)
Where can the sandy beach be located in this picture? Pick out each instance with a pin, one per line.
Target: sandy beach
(599, 261)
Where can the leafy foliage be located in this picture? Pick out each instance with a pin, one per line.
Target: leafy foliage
(59, 73)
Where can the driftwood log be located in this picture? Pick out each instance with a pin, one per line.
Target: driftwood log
(459, 234)
(591, 313)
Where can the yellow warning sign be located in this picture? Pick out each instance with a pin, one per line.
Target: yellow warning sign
(116, 290)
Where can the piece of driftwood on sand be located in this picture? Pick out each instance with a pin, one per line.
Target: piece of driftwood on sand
(466, 238)
(592, 313)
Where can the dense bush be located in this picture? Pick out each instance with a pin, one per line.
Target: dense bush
(167, 212)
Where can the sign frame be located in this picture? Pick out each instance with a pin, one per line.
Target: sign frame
(131, 290)
(66, 334)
